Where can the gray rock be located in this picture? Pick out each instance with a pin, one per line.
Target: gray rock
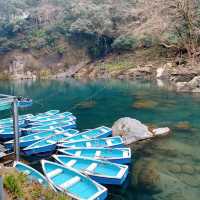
(133, 130)
(191, 86)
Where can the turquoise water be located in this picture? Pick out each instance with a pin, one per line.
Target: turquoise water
(164, 169)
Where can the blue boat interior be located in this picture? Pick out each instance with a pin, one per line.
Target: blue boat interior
(102, 168)
(95, 143)
(84, 188)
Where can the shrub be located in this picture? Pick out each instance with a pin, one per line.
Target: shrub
(20, 187)
(124, 43)
(13, 185)
(147, 41)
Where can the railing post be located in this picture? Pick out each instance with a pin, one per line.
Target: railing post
(1, 188)
(16, 129)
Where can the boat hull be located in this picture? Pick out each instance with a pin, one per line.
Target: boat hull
(109, 181)
(46, 149)
(65, 127)
(72, 182)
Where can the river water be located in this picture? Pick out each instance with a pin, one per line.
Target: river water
(163, 169)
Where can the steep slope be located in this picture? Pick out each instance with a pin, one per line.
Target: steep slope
(58, 34)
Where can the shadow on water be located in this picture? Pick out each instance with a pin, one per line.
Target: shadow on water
(164, 169)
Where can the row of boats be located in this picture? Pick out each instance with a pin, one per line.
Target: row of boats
(84, 160)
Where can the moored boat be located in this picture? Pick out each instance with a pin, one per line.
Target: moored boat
(24, 102)
(116, 142)
(72, 182)
(7, 134)
(47, 145)
(116, 155)
(48, 113)
(99, 132)
(10, 120)
(31, 173)
(64, 124)
(35, 137)
(101, 171)
(43, 118)
(52, 121)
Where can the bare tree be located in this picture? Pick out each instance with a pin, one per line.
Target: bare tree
(186, 25)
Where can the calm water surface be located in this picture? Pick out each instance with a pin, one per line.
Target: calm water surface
(164, 169)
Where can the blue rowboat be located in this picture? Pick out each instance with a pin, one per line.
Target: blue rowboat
(52, 121)
(46, 145)
(101, 171)
(10, 120)
(25, 103)
(30, 139)
(116, 155)
(116, 142)
(73, 183)
(48, 113)
(7, 134)
(64, 125)
(99, 132)
(32, 174)
(49, 117)
(21, 124)
(65, 114)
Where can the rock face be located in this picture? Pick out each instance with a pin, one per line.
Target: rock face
(133, 130)
(191, 86)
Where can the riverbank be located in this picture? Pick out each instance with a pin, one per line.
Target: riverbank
(153, 63)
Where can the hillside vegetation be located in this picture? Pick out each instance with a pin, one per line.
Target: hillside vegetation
(96, 28)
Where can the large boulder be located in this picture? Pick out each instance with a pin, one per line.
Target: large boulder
(133, 130)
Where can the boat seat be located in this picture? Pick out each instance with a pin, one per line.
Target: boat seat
(88, 144)
(71, 182)
(78, 153)
(92, 167)
(71, 163)
(109, 142)
(50, 142)
(54, 173)
(37, 137)
(98, 153)
(125, 154)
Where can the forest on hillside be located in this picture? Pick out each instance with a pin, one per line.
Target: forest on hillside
(100, 26)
